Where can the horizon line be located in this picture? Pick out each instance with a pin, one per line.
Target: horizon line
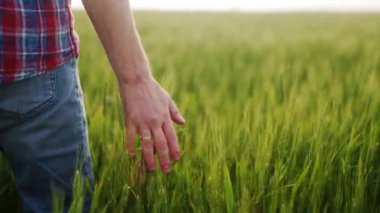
(265, 10)
(355, 8)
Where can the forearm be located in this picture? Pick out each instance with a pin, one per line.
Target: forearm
(114, 24)
(149, 111)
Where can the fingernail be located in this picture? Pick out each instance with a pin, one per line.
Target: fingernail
(176, 157)
(166, 168)
(182, 118)
(132, 155)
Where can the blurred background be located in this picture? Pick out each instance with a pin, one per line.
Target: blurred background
(281, 99)
(255, 5)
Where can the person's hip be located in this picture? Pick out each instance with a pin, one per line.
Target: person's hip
(43, 133)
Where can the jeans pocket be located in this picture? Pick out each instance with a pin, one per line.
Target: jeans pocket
(29, 97)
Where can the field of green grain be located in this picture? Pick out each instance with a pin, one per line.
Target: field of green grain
(283, 115)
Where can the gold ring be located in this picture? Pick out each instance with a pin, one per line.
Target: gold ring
(145, 138)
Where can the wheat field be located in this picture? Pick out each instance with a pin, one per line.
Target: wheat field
(283, 115)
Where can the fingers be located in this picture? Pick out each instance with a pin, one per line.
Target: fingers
(130, 140)
(157, 136)
(148, 148)
(160, 143)
(175, 114)
(172, 140)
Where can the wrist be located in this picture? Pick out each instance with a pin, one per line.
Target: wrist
(135, 79)
(134, 74)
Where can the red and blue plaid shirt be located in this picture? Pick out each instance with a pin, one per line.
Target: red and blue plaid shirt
(35, 36)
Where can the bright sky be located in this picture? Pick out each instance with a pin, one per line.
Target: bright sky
(254, 5)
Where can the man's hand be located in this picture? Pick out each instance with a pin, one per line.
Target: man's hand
(149, 112)
(148, 108)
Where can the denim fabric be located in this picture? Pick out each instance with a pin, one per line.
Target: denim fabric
(43, 133)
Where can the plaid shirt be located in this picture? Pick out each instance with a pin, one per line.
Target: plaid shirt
(35, 36)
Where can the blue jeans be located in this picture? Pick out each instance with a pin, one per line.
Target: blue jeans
(43, 133)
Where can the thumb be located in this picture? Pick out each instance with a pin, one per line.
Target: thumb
(175, 114)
